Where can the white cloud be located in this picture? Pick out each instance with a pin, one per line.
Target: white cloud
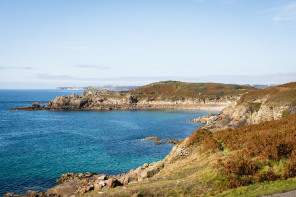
(16, 67)
(286, 14)
(92, 66)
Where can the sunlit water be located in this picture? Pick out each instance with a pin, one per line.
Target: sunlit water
(36, 147)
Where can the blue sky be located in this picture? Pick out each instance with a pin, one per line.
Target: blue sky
(50, 43)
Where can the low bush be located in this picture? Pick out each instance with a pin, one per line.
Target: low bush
(263, 152)
(203, 137)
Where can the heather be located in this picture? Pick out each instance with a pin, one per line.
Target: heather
(177, 90)
(257, 153)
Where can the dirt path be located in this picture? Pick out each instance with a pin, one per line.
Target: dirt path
(286, 194)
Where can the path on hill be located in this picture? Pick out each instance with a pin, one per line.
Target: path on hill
(286, 194)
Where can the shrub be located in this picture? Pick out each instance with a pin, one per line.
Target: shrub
(285, 113)
(197, 136)
(261, 152)
(203, 137)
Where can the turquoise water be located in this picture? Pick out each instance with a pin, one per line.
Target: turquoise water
(36, 147)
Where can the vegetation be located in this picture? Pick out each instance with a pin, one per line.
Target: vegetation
(180, 90)
(261, 189)
(283, 95)
(261, 152)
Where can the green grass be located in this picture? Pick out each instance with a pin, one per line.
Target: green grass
(262, 188)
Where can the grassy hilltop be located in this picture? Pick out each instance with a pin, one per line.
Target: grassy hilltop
(178, 90)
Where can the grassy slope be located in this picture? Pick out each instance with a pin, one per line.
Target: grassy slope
(178, 90)
(282, 95)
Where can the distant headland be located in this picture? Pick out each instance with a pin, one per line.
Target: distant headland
(160, 95)
(107, 87)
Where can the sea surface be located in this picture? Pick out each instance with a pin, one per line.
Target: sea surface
(36, 147)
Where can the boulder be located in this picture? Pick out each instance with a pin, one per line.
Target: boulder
(111, 183)
(172, 141)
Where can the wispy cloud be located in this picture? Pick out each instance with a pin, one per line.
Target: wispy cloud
(16, 67)
(92, 66)
(55, 77)
(286, 14)
(46, 76)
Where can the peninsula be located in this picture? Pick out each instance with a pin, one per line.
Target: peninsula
(160, 95)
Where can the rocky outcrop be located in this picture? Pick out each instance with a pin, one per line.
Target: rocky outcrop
(94, 99)
(202, 119)
(251, 111)
(158, 140)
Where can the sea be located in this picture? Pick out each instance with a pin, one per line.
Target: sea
(36, 147)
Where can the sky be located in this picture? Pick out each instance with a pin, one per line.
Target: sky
(53, 43)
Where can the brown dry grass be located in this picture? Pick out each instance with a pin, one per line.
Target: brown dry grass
(261, 152)
(180, 90)
(278, 95)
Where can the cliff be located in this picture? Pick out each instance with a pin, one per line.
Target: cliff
(161, 95)
(255, 106)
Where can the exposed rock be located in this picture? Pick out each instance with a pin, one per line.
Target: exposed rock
(153, 138)
(80, 176)
(111, 183)
(172, 141)
(202, 119)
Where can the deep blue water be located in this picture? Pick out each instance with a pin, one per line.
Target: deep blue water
(36, 147)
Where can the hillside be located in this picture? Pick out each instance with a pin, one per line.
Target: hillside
(161, 95)
(256, 106)
(278, 97)
(180, 90)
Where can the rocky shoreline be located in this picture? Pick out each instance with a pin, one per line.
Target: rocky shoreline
(77, 184)
(72, 184)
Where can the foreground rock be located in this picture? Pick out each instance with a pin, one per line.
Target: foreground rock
(77, 184)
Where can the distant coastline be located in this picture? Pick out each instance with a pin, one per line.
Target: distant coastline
(107, 87)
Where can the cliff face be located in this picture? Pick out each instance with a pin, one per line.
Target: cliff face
(256, 106)
(162, 95)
